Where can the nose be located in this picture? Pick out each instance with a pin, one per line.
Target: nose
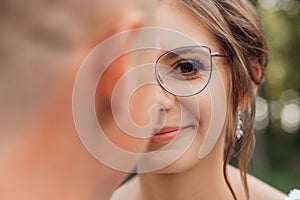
(150, 91)
(163, 98)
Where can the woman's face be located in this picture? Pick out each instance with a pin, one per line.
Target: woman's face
(188, 128)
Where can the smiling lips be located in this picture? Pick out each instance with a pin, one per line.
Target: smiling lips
(167, 134)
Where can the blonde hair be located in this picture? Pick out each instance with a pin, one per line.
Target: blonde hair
(237, 27)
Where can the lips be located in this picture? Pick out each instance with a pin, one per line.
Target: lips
(167, 134)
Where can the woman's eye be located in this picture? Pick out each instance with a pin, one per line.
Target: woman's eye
(186, 67)
(189, 66)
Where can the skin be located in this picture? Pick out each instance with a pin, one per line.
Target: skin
(190, 177)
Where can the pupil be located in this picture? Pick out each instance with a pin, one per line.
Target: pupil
(186, 67)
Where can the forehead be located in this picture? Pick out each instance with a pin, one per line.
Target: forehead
(178, 18)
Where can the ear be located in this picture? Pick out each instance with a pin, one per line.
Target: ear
(257, 71)
(132, 19)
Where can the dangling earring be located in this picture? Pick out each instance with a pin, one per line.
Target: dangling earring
(239, 132)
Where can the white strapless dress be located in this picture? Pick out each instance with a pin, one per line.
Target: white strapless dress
(293, 195)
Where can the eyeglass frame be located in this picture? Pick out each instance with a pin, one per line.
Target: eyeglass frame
(211, 55)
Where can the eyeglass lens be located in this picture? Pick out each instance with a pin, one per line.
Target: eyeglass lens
(184, 71)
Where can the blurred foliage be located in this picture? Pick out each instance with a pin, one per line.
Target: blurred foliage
(277, 157)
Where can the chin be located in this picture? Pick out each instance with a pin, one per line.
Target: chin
(178, 156)
(183, 164)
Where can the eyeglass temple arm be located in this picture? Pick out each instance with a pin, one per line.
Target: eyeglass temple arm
(217, 54)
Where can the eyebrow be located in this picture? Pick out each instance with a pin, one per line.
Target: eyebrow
(179, 52)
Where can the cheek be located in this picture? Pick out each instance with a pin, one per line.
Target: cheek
(199, 107)
(213, 110)
(204, 108)
(209, 108)
(110, 78)
(142, 109)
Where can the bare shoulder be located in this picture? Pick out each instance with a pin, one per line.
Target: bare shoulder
(127, 190)
(258, 189)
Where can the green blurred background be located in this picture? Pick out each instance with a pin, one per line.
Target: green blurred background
(277, 156)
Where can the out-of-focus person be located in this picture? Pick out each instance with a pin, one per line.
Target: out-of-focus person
(42, 45)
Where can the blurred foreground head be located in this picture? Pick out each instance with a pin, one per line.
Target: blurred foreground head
(42, 44)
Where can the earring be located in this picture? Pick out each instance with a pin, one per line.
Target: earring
(239, 132)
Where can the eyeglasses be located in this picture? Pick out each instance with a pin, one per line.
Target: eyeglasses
(185, 71)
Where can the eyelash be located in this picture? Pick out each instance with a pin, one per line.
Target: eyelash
(193, 74)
